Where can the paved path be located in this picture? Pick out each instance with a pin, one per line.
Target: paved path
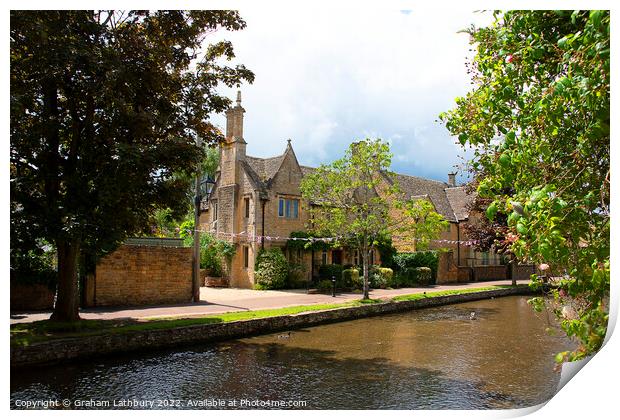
(214, 301)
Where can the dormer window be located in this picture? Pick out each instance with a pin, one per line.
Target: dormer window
(288, 208)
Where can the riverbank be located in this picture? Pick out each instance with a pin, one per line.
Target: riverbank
(44, 342)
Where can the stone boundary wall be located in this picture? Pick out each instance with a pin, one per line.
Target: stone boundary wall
(523, 272)
(447, 270)
(490, 272)
(135, 275)
(31, 297)
(62, 350)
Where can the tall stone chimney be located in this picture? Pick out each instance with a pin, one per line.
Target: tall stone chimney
(452, 179)
(233, 149)
(232, 153)
(234, 121)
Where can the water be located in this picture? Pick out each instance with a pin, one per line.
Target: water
(435, 358)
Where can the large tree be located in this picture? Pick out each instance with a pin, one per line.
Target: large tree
(358, 200)
(538, 118)
(105, 109)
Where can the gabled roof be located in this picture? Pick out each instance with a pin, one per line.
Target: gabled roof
(306, 170)
(459, 201)
(450, 202)
(413, 186)
(265, 168)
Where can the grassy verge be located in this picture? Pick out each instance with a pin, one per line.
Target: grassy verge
(24, 334)
(418, 296)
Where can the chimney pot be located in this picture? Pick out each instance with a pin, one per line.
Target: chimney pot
(452, 179)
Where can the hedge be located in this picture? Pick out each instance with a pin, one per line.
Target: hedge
(405, 260)
(413, 276)
(326, 272)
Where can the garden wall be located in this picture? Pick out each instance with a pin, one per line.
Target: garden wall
(490, 272)
(135, 275)
(31, 297)
(523, 272)
(447, 271)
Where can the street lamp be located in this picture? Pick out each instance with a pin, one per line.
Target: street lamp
(208, 183)
(206, 186)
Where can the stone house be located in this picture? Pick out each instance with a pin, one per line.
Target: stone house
(256, 202)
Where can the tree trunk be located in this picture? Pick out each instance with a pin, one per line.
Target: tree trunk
(66, 307)
(365, 269)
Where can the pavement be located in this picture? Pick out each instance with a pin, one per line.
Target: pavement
(222, 300)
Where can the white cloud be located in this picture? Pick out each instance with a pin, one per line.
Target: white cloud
(327, 77)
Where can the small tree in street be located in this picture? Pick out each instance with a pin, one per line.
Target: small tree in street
(358, 200)
(105, 109)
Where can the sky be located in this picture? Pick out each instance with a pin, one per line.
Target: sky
(327, 78)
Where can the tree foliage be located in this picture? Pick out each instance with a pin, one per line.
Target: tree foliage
(358, 200)
(164, 222)
(538, 119)
(488, 234)
(105, 110)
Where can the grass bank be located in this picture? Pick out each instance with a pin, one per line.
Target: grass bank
(24, 334)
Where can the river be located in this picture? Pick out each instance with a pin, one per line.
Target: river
(436, 358)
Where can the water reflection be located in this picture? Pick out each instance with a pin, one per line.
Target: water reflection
(430, 359)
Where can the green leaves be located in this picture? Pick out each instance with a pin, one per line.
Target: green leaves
(491, 211)
(115, 105)
(543, 76)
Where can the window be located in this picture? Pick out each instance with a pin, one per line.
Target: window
(246, 257)
(324, 258)
(288, 208)
(247, 206)
(214, 225)
(372, 257)
(356, 260)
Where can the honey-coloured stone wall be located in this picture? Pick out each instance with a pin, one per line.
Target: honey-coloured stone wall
(142, 275)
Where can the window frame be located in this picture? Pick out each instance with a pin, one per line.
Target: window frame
(246, 202)
(288, 208)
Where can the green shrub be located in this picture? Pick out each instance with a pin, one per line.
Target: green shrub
(326, 272)
(380, 277)
(214, 253)
(296, 278)
(35, 266)
(387, 252)
(325, 286)
(351, 278)
(424, 275)
(406, 260)
(271, 269)
(413, 276)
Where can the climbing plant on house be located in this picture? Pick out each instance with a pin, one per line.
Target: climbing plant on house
(538, 120)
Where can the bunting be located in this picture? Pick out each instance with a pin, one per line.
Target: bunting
(259, 238)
